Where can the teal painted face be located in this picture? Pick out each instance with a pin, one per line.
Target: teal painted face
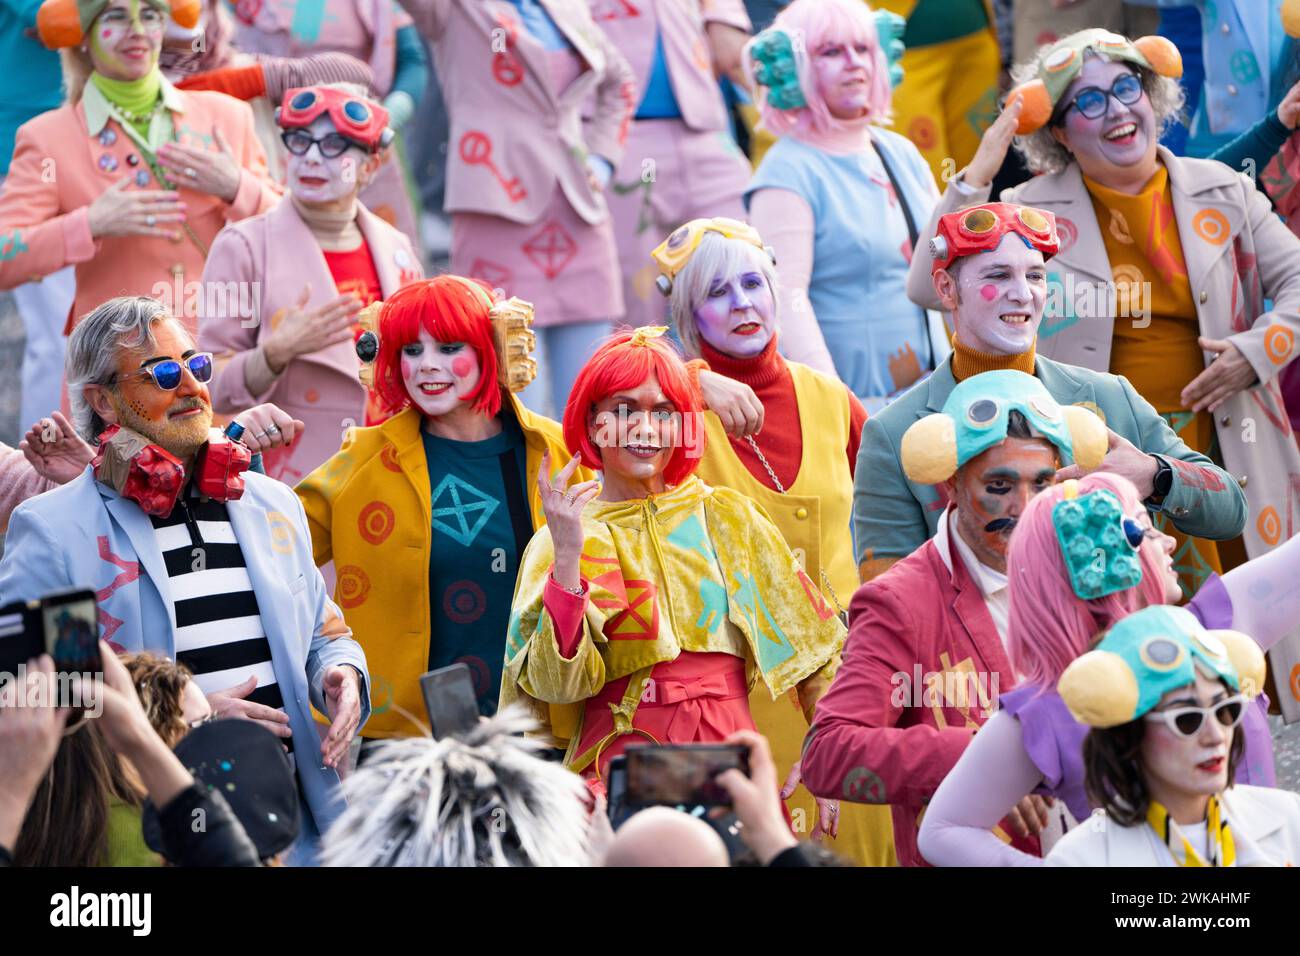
(981, 405)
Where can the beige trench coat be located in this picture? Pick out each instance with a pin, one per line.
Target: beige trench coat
(1237, 253)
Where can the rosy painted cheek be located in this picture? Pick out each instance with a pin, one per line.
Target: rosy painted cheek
(989, 292)
(408, 367)
(461, 366)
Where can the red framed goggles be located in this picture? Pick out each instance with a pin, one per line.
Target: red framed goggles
(355, 118)
(981, 228)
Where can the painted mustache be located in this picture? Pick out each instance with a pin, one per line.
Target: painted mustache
(1000, 524)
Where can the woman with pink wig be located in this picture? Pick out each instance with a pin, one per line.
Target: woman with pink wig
(840, 199)
(1032, 745)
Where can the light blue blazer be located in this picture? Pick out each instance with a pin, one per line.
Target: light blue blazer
(83, 534)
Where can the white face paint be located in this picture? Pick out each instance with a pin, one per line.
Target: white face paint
(1183, 771)
(315, 178)
(437, 374)
(1002, 293)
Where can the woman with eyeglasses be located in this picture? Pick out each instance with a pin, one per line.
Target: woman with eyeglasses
(308, 266)
(1083, 557)
(1172, 272)
(131, 179)
(1165, 697)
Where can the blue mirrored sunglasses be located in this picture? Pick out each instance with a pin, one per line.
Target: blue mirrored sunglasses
(167, 373)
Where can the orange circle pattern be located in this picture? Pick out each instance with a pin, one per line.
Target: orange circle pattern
(1212, 226)
(1269, 525)
(388, 458)
(923, 132)
(1278, 342)
(353, 586)
(375, 523)
(1295, 682)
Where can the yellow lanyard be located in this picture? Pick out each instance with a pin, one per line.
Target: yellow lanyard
(1222, 848)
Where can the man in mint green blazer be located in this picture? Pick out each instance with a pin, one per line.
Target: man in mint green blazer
(994, 282)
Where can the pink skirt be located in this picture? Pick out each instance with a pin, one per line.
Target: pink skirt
(566, 267)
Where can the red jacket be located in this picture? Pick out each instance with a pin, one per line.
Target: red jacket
(922, 669)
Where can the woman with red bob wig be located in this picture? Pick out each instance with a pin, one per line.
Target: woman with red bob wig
(651, 603)
(427, 515)
(1033, 745)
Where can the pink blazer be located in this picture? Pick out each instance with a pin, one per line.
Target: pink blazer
(686, 48)
(513, 140)
(59, 169)
(272, 256)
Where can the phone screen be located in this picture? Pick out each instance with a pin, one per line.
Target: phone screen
(682, 775)
(449, 698)
(72, 631)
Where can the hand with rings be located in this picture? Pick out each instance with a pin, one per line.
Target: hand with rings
(563, 505)
(268, 426)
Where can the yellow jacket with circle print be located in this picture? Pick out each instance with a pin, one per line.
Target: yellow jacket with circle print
(369, 511)
(695, 568)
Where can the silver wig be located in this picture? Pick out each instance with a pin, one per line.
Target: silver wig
(482, 799)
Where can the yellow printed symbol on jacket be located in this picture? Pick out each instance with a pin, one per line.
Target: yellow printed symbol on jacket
(958, 687)
(282, 533)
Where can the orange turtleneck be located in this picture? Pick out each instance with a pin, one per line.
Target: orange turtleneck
(781, 439)
(967, 362)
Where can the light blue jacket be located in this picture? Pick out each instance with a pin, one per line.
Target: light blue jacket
(83, 534)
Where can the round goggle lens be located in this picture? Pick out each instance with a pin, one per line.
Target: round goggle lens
(979, 221)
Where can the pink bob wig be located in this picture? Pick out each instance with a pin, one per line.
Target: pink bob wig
(1049, 625)
(451, 309)
(619, 364)
(812, 24)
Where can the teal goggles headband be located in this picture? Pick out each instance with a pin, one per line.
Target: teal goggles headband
(976, 416)
(1148, 654)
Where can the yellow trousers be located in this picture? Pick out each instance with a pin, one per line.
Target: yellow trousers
(866, 832)
(947, 99)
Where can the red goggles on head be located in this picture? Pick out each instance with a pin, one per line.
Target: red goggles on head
(981, 228)
(355, 118)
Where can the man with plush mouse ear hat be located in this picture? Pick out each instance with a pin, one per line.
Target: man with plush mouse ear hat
(988, 268)
(926, 658)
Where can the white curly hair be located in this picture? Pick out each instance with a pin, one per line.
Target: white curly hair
(484, 798)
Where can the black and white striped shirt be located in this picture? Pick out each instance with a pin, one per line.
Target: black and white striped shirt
(219, 634)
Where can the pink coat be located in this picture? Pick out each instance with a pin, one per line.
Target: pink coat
(18, 482)
(272, 256)
(59, 169)
(513, 140)
(686, 48)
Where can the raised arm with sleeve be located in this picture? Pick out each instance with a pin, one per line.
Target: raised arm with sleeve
(957, 195)
(552, 652)
(992, 776)
(18, 482)
(1263, 595)
(785, 221)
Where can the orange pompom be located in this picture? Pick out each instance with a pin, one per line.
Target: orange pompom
(1162, 55)
(58, 24)
(186, 13)
(1291, 18)
(1035, 108)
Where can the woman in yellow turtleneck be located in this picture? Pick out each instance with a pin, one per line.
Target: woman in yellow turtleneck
(131, 179)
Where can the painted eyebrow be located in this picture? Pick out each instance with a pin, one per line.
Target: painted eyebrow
(1008, 473)
(163, 358)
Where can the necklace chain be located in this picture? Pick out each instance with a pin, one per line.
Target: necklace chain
(781, 488)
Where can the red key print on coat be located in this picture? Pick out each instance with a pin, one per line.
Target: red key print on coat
(613, 10)
(476, 150)
(130, 572)
(551, 249)
(507, 68)
(638, 617)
